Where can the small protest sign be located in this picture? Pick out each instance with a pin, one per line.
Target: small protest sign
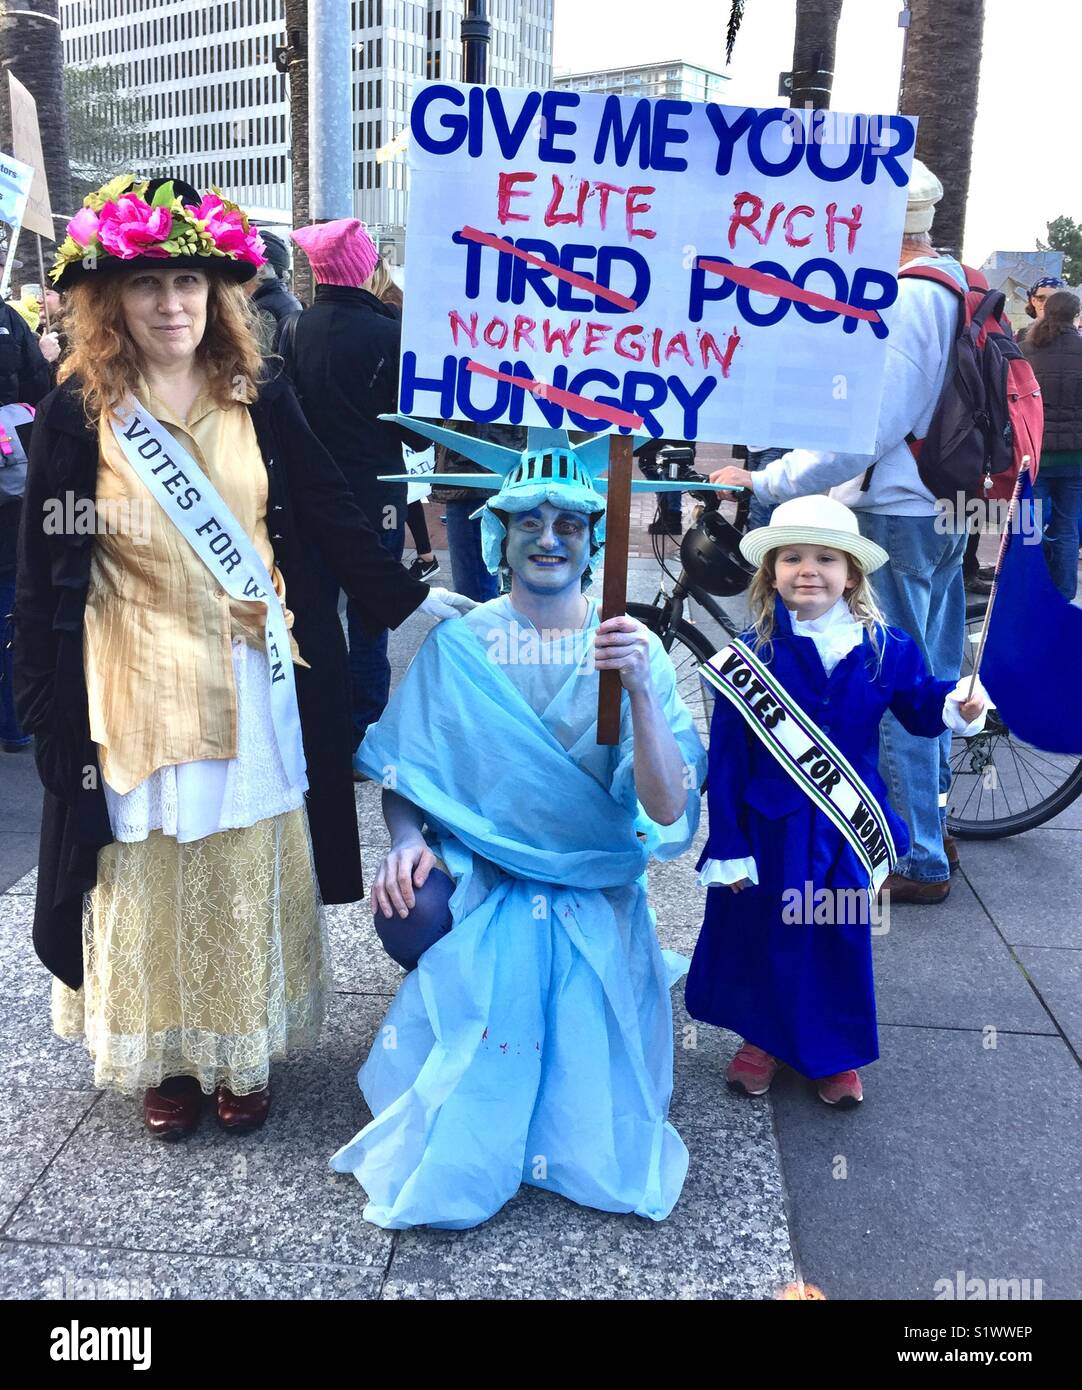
(721, 273)
(26, 142)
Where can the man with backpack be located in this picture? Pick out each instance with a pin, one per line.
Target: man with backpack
(895, 498)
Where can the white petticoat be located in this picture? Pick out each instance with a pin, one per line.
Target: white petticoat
(190, 801)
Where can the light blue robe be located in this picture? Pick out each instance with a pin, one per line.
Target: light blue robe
(533, 1043)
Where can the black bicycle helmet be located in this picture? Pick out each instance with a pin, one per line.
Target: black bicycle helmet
(710, 552)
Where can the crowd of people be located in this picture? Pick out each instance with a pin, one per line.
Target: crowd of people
(198, 717)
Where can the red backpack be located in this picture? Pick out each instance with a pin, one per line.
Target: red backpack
(989, 414)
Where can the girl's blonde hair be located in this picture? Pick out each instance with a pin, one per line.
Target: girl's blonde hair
(860, 598)
(103, 356)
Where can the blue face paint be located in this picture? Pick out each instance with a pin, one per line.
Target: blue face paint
(548, 550)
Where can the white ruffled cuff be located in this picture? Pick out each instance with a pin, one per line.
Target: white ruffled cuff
(952, 715)
(715, 872)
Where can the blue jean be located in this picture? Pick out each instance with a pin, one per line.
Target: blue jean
(921, 591)
(759, 513)
(1060, 495)
(10, 732)
(468, 573)
(369, 669)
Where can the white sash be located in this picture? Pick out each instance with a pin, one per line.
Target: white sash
(192, 504)
(806, 754)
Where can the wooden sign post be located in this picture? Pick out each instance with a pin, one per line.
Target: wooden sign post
(614, 593)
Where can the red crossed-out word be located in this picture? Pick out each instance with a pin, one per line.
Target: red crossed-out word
(784, 289)
(582, 282)
(581, 405)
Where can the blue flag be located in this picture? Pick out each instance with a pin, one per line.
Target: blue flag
(1032, 665)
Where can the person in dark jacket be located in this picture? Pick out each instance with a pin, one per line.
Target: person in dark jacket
(1054, 349)
(344, 361)
(24, 376)
(203, 815)
(272, 293)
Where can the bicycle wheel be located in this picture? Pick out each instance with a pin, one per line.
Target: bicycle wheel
(688, 647)
(1000, 785)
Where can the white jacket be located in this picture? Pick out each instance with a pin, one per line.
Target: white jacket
(923, 326)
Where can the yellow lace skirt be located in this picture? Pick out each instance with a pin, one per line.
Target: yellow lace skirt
(203, 959)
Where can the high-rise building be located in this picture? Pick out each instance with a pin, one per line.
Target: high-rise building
(214, 108)
(677, 80)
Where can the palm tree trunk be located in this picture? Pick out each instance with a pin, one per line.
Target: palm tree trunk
(30, 49)
(813, 52)
(942, 73)
(297, 39)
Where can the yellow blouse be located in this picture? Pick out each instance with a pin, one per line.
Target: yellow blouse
(159, 626)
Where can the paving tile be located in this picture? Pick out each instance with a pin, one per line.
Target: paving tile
(726, 1238)
(26, 886)
(1031, 885)
(34, 1123)
(955, 983)
(962, 1157)
(18, 854)
(77, 1273)
(268, 1195)
(30, 1052)
(1057, 974)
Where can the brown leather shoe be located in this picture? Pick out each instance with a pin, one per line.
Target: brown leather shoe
(950, 849)
(172, 1110)
(900, 889)
(242, 1114)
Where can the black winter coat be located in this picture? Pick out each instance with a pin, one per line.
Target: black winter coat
(1058, 369)
(344, 362)
(275, 299)
(314, 526)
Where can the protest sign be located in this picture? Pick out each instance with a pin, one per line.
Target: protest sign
(722, 273)
(15, 180)
(26, 142)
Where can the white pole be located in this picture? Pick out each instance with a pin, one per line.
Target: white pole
(330, 111)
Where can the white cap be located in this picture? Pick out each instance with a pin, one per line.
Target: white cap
(925, 191)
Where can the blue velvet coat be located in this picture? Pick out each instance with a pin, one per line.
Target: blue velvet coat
(784, 968)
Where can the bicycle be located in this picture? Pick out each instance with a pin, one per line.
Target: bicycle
(1000, 786)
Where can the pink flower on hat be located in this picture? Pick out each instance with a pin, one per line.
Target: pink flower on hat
(226, 228)
(83, 227)
(130, 227)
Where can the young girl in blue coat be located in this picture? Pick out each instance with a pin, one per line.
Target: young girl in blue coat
(784, 956)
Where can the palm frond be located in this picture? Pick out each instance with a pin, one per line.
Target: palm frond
(736, 17)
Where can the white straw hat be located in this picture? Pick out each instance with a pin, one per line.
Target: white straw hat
(813, 521)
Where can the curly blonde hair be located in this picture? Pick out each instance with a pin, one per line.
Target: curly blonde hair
(860, 598)
(102, 355)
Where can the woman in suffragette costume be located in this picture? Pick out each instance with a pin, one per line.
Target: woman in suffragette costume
(533, 1040)
(181, 711)
(801, 834)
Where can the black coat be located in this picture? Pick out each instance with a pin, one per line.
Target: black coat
(24, 376)
(308, 506)
(344, 361)
(1058, 369)
(275, 299)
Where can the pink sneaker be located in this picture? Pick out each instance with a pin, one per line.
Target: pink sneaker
(843, 1090)
(751, 1070)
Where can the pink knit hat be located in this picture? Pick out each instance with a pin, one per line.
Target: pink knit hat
(340, 253)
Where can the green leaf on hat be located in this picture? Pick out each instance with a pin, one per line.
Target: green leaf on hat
(165, 195)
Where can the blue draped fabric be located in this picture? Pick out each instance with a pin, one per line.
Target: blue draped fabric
(533, 1043)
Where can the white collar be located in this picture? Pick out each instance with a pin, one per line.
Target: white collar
(839, 615)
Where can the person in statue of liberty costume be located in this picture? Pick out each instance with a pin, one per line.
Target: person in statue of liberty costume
(533, 1040)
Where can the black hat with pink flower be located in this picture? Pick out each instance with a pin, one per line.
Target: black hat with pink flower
(131, 224)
